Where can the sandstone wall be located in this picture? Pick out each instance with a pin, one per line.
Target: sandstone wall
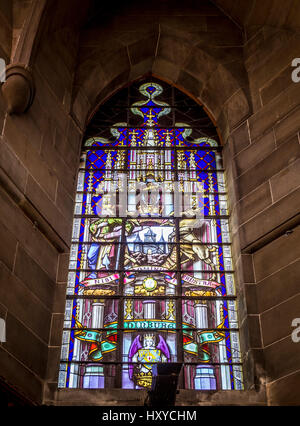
(39, 154)
(264, 168)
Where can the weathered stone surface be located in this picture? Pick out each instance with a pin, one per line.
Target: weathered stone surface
(64, 202)
(25, 346)
(287, 127)
(276, 219)
(50, 389)
(57, 163)
(190, 24)
(242, 309)
(173, 50)
(37, 281)
(48, 209)
(52, 67)
(6, 29)
(244, 269)
(80, 107)
(67, 397)
(16, 374)
(28, 153)
(276, 323)
(293, 15)
(12, 166)
(237, 109)
(271, 114)
(74, 139)
(27, 234)
(34, 124)
(254, 203)
(253, 45)
(24, 305)
(271, 291)
(143, 49)
(144, 67)
(284, 249)
(53, 363)
(278, 366)
(247, 14)
(274, 87)
(269, 166)
(111, 65)
(235, 247)
(56, 329)
(286, 180)
(252, 327)
(226, 398)
(231, 181)
(222, 76)
(59, 298)
(47, 102)
(251, 298)
(264, 54)
(107, 397)
(239, 139)
(285, 391)
(8, 247)
(62, 270)
(190, 83)
(200, 64)
(255, 153)
(253, 371)
(67, 150)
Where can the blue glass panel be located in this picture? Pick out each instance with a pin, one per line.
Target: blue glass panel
(104, 159)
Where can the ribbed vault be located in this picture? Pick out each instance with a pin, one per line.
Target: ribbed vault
(197, 46)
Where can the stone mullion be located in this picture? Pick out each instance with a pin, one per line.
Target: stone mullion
(121, 299)
(180, 353)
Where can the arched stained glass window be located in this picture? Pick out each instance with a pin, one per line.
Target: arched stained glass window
(150, 274)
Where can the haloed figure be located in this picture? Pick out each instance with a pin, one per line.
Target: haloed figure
(145, 354)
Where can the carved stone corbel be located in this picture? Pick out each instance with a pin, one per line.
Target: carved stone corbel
(18, 89)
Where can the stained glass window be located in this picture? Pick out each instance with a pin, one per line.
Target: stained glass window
(151, 276)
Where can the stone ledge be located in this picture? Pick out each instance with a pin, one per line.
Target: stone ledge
(223, 397)
(132, 397)
(99, 397)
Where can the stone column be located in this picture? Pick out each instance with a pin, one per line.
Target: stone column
(225, 370)
(149, 309)
(94, 376)
(171, 315)
(205, 377)
(126, 382)
(201, 314)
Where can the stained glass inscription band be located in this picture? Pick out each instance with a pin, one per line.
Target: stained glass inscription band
(150, 275)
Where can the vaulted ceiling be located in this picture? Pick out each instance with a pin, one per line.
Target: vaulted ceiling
(196, 44)
(257, 13)
(247, 15)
